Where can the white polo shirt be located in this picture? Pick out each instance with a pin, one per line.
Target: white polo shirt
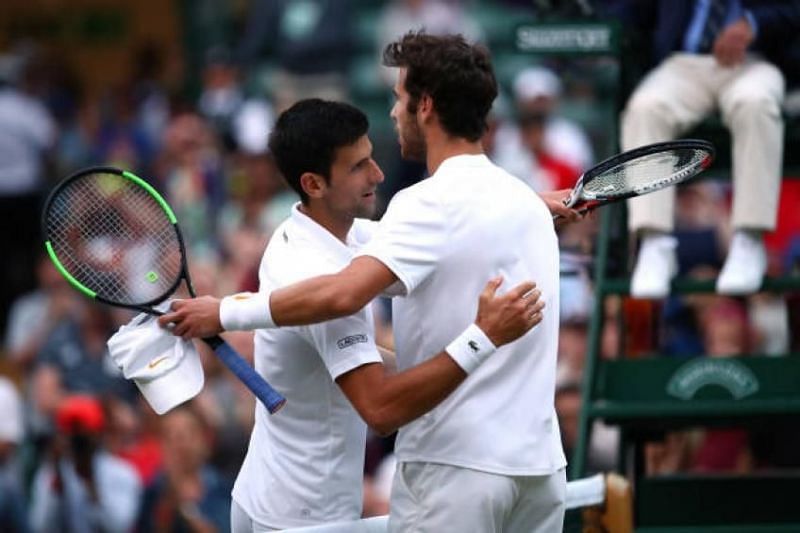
(444, 238)
(304, 465)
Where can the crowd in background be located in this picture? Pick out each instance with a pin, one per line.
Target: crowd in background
(75, 435)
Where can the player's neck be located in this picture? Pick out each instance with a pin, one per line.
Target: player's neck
(441, 146)
(338, 226)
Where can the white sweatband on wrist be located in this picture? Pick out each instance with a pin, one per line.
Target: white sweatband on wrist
(246, 311)
(471, 348)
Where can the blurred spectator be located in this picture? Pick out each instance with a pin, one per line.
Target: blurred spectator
(572, 349)
(27, 134)
(310, 40)
(13, 507)
(121, 140)
(242, 123)
(255, 189)
(669, 455)
(545, 150)
(33, 316)
(133, 435)
(74, 359)
(575, 287)
(188, 495)
(499, 119)
(82, 487)
(251, 126)
(221, 96)
(259, 200)
(69, 102)
(192, 172)
(727, 331)
(713, 54)
(227, 407)
(150, 99)
(604, 440)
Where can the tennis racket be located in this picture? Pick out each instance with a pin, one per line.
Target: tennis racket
(640, 171)
(116, 240)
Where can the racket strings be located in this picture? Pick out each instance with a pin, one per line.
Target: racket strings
(647, 172)
(113, 237)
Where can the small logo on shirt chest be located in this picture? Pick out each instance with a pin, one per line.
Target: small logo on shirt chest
(350, 340)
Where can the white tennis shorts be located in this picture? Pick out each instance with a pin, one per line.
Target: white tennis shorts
(431, 498)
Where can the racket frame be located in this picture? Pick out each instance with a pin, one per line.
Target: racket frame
(233, 360)
(145, 307)
(593, 200)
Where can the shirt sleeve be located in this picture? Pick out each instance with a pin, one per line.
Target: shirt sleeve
(345, 343)
(412, 238)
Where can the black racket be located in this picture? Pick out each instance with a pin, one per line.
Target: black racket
(640, 171)
(116, 240)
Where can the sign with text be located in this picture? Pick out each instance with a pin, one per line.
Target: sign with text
(729, 374)
(567, 38)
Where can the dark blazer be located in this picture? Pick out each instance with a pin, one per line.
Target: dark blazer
(666, 22)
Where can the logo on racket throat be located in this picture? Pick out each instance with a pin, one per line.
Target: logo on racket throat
(151, 276)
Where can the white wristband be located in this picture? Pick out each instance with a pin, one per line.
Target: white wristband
(471, 348)
(246, 311)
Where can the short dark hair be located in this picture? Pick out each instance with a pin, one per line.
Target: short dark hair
(458, 76)
(307, 135)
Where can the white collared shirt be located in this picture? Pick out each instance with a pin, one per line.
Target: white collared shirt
(444, 238)
(304, 465)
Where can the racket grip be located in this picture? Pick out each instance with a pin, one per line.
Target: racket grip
(268, 396)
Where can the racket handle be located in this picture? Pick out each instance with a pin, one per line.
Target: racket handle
(271, 399)
(582, 211)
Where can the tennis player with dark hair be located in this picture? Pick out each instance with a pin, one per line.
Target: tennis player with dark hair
(489, 456)
(305, 466)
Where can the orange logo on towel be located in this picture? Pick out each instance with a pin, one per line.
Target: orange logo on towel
(154, 363)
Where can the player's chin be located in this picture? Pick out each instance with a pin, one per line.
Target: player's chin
(366, 208)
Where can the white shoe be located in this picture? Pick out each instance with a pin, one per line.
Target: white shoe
(745, 265)
(656, 265)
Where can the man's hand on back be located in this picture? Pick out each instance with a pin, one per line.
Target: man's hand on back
(507, 317)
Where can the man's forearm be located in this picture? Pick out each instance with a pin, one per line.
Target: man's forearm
(308, 302)
(388, 401)
(313, 300)
(333, 296)
(410, 394)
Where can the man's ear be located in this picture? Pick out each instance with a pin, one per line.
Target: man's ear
(426, 111)
(425, 107)
(314, 185)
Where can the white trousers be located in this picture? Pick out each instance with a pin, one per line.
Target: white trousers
(434, 498)
(682, 91)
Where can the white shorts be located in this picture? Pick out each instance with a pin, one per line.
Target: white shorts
(242, 523)
(431, 498)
